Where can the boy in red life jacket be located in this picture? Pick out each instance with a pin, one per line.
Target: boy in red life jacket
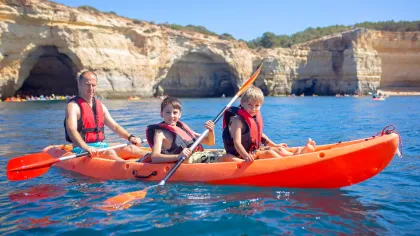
(85, 119)
(243, 132)
(171, 139)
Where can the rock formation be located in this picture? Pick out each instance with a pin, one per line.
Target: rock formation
(44, 44)
(400, 57)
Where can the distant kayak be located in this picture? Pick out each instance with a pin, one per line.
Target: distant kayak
(136, 98)
(329, 166)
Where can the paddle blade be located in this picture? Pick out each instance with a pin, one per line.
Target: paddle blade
(29, 166)
(123, 201)
(250, 80)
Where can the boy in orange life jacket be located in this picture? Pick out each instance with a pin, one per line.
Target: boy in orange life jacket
(171, 139)
(243, 131)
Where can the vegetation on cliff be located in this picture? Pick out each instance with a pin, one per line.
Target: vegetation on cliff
(270, 40)
(94, 10)
(193, 28)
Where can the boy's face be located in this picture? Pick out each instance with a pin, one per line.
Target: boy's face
(251, 106)
(170, 115)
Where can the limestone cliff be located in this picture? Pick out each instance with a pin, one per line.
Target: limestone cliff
(44, 44)
(357, 61)
(129, 57)
(400, 56)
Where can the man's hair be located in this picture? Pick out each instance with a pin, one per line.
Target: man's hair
(253, 93)
(176, 104)
(82, 73)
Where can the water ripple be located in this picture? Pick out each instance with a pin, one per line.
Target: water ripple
(60, 202)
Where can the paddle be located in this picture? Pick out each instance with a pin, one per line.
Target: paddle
(36, 164)
(125, 200)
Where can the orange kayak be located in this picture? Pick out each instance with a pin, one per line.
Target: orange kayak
(329, 166)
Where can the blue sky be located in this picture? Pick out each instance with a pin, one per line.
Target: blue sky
(250, 19)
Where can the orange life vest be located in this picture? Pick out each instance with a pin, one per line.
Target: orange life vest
(91, 122)
(184, 137)
(251, 138)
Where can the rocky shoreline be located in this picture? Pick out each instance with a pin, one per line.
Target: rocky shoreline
(43, 45)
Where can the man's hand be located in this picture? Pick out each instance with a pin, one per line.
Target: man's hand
(92, 151)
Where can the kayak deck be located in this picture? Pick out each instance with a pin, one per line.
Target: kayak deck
(329, 166)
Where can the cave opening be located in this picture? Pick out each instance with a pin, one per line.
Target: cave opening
(199, 75)
(307, 87)
(52, 73)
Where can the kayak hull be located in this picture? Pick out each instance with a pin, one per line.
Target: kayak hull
(329, 166)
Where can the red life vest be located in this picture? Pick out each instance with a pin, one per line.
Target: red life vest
(184, 137)
(251, 138)
(91, 122)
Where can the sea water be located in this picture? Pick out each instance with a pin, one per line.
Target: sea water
(60, 202)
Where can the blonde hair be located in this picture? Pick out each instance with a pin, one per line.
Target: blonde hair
(253, 93)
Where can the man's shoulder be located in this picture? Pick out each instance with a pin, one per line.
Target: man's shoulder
(103, 106)
(72, 103)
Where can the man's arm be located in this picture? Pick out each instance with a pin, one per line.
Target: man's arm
(116, 128)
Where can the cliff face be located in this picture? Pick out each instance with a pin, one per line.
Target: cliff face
(400, 56)
(129, 57)
(342, 63)
(43, 45)
(358, 61)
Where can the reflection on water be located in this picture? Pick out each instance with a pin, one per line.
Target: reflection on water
(36, 193)
(309, 210)
(292, 211)
(63, 202)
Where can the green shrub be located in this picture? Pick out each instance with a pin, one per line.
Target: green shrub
(226, 36)
(89, 8)
(139, 22)
(270, 40)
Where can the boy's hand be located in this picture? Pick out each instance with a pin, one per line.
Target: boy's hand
(249, 158)
(281, 145)
(209, 125)
(186, 152)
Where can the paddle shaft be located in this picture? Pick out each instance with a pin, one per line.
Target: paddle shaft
(202, 136)
(86, 153)
(99, 150)
(52, 161)
(125, 200)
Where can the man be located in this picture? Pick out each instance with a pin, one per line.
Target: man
(85, 120)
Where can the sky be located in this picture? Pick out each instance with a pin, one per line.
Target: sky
(247, 20)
